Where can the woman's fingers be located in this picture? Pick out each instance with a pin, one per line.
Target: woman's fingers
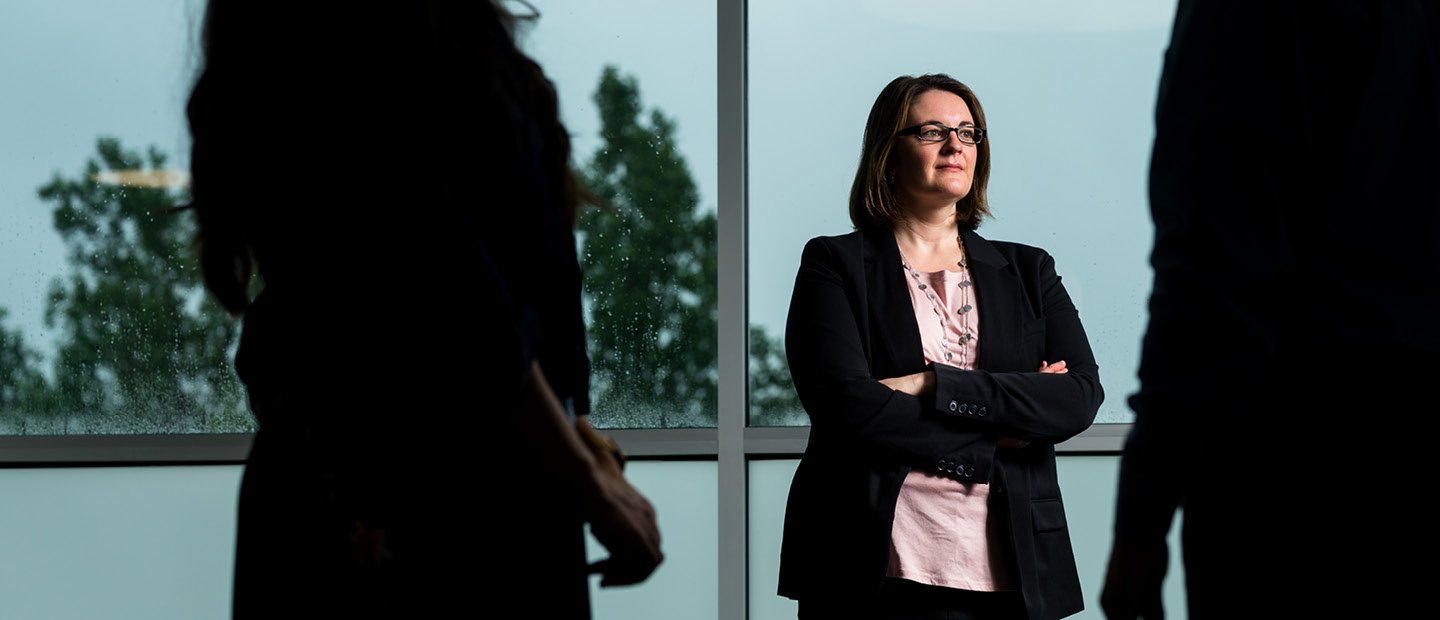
(1056, 368)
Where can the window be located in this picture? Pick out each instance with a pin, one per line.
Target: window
(639, 101)
(104, 327)
(713, 197)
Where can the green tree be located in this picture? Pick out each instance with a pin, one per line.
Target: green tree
(22, 386)
(650, 274)
(772, 393)
(142, 349)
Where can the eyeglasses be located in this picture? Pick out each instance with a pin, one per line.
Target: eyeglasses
(935, 132)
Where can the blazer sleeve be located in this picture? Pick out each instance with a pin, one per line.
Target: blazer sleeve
(1034, 406)
(833, 378)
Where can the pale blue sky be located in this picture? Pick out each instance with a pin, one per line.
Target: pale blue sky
(70, 72)
(1068, 87)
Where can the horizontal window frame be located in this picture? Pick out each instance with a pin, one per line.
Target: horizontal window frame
(638, 444)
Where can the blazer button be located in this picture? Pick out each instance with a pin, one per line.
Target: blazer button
(954, 405)
(973, 408)
(982, 411)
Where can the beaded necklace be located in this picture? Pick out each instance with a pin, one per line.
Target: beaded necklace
(948, 347)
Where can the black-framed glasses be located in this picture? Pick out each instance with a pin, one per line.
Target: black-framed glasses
(935, 132)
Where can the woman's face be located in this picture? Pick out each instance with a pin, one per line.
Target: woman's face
(934, 173)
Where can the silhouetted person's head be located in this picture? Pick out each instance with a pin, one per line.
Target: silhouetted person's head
(315, 121)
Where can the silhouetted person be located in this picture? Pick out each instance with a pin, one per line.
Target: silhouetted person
(398, 175)
(1286, 367)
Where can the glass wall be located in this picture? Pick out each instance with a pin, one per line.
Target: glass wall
(637, 92)
(157, 543)
(104, 330)
(120, 543)
(104, 327)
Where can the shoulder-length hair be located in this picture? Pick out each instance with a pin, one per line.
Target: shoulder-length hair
(872, 200)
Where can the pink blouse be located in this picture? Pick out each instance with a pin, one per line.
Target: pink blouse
(943, 534)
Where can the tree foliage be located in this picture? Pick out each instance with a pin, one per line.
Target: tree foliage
(649, 263)
(141, 349)
(21, 382)
(650, 273)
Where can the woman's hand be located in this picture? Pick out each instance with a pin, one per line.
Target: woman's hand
(1058, 368)
(620, 517)
(624, 522)
(918, 384)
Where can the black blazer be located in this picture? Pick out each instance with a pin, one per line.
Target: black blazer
(851, 323)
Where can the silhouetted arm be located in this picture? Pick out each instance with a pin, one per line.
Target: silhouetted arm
(620, 517)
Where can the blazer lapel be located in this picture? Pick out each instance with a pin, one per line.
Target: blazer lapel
(998, 296)
(896, 337)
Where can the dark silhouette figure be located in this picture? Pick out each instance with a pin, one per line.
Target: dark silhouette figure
(939, 369)
(398, 175)
(1286, 365)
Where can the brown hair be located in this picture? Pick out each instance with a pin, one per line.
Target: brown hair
(872, 203)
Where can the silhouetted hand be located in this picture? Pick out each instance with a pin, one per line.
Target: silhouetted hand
(624, 522)
(1133, 580)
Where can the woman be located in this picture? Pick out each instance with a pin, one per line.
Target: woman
(398, 174)
(939, 369)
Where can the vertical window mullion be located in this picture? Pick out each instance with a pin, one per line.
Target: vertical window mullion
(733, 346)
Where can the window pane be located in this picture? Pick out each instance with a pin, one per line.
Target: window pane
(98, 100)
(1068, 92)
(637, 91)
(769, 487)
(104, 327)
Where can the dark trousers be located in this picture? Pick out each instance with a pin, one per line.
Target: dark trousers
(900, 599)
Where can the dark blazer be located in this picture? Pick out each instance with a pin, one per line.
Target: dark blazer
(851, 323)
